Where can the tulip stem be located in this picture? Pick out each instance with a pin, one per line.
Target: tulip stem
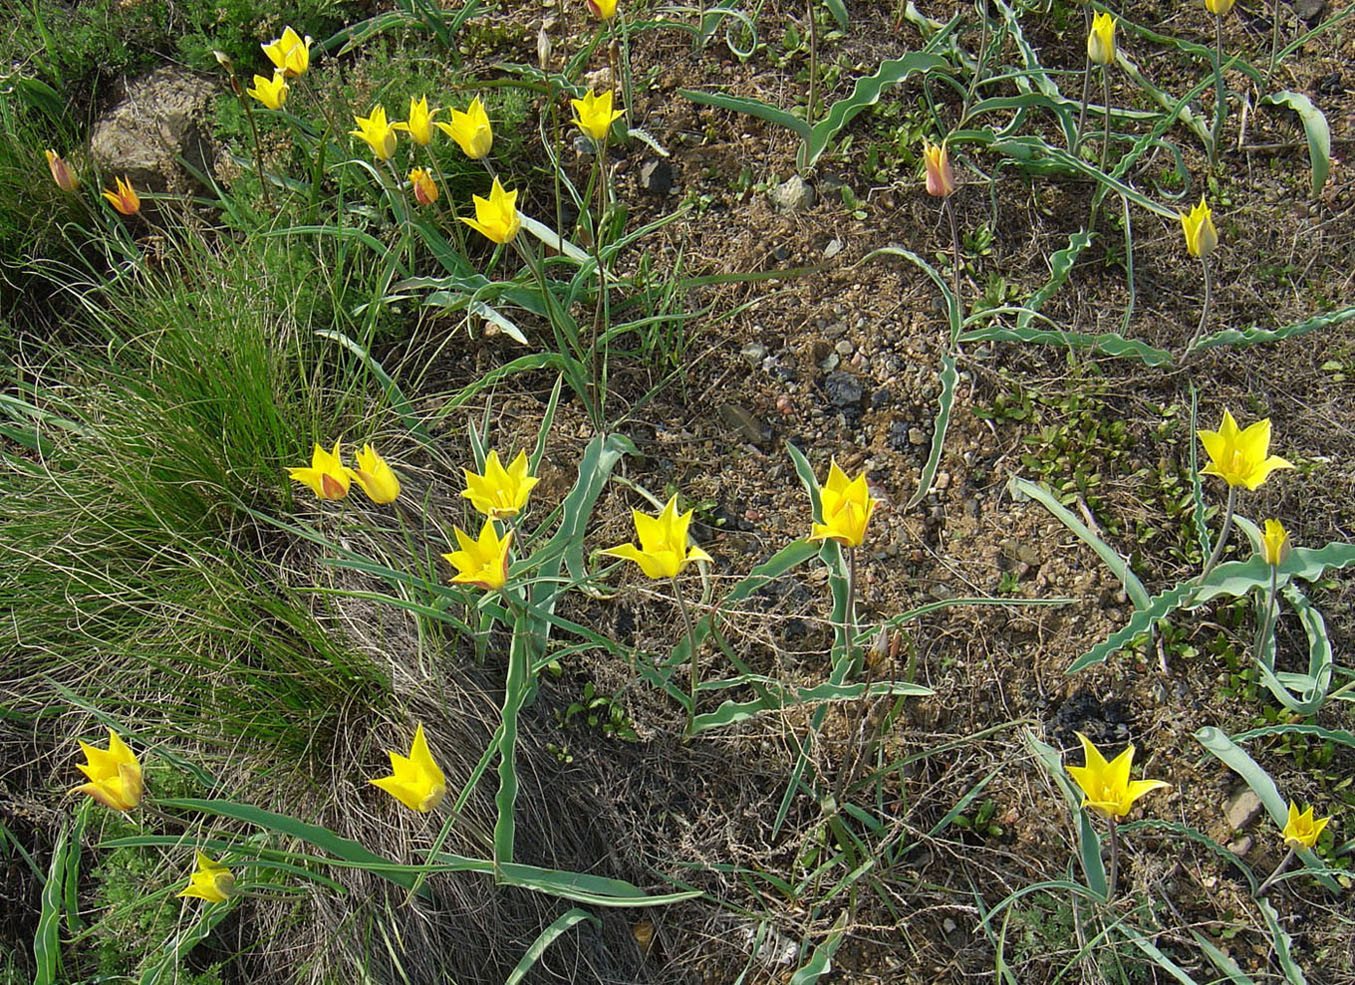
(1208, 303)
(813, 63)
(1268, 622)
(600, 313)
(955, 271)
(692, 664)
(1224, 531)
(1086, 86)
(1279, 871)
(1105, 94)
(1274, 42)
(1114, 858)
(849, 616)
(982, 7)
(254, 130)
(1220, 93)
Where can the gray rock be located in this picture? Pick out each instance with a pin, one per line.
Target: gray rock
(162, 118)
(754, 353)
(793, 195)
(1241, 808)
(1310, 11)
(833, 248)
(1242, 846)
(656, 177)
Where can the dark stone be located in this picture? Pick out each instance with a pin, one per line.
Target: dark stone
(656, 177)
(881, 398)
(1310, 11)
(898, 436)
(1105, 723)
(845, 393)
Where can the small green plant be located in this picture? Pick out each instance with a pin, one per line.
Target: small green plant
(598, 711)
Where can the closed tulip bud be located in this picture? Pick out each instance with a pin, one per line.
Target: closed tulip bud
(1220, 7)
(1201, 236)
(425, 190)
(125, 199)
(211, 881)
(470, 130)
(940, 177)
(224, 60)
(373, 474)
(1101, 39)
(61, 173)
(1275, 543)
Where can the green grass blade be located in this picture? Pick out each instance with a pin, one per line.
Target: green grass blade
(398, 401)
(1263, 786)
(1108, 555)
(1282, 943)
(1314, 128)
(515, 690)
(945, 401)
(544, 940)
(1155, 954)
(865, 93)
(1221, 961)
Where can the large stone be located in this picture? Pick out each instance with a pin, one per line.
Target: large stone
(1241, 808)
(161, 119)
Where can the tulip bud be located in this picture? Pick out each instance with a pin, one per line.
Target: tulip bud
(940, 177)
(1101, 39)
(1275, 543)
(425, 191)
(1201, 236)
(61, 173)
(1220, 7)
(125, 199)
(602, 9)
(224, 60)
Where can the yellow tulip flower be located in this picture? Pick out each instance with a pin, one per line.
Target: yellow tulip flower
(602, 9)
(1240, 458)
(415, 781)
(326, 475)
(500, 493)
(846, 506)
(470, 130)
(1101, 39)
(375, 476)
(419, 126)
(1106, 787)
(211, 881)
(482, 562)
(125, 199)
(1275, 543)
(1301, 830)
(272, 93)
(663, 550)
(61, 173)
(1220, 7)
(1201, 236)
(290, 54)
(940, 177)
(496, 217)
(379, 134)
(114, 774)
(593, 114)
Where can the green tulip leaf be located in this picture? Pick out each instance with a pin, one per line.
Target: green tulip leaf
(1314, 128)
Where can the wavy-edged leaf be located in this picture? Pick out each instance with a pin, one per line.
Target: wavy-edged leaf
(1337, 735)
(821, 961)
(1236, 759)
(752, 107)
(47, 937)
(944, 402)
(1254, 335)
(1314, 128)
(1089, 842)
(583, 887)
(1109, 343)
(865, 93)
(777, 699)
(1282, 942)
(1108, 555)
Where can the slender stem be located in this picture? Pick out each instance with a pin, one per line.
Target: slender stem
(1105, 91)
(1114, 858)
(1086, 84)
(253, 129)
(1224, 531)
(813, 63)
(955, 271)
(1220, 93)
(1279, 871)
(1268, 622)
(1274, 42)
(978, 64)
(691, 647)
(1208, 303)
(627, 84)
(849, 617)
(600, 313)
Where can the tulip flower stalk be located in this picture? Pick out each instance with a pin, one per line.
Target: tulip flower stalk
(225, 62)
(1274, 548)
(1220, 91)
(1301, 830)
